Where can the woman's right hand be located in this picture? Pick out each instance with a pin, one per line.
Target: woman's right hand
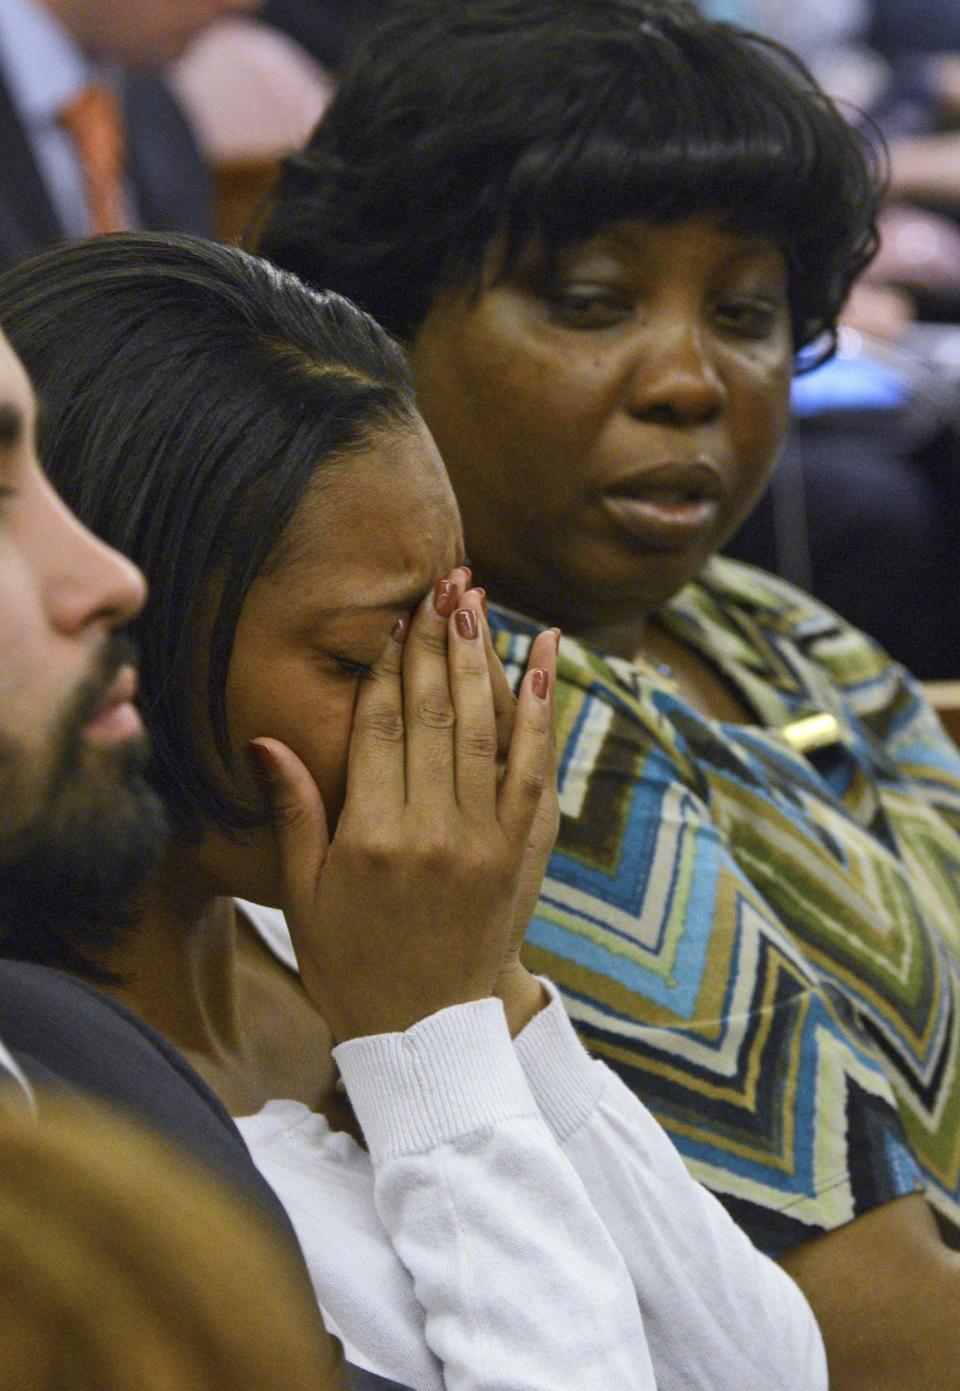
(411, 906)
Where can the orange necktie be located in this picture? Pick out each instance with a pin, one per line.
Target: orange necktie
(95, 121)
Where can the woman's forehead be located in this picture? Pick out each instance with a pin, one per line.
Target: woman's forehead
(380, 523)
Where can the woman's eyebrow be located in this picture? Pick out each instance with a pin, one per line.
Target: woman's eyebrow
(399, 605)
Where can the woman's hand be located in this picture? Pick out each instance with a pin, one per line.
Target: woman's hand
(412, 905)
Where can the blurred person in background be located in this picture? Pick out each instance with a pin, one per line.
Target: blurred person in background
(252, 94)
(901, 67)
(255, 87)
(93, 138)
(863, 509)
(606, 231)
(328, 29)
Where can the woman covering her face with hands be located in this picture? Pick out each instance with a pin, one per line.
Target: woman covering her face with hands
(607, 233)
(479, 1203)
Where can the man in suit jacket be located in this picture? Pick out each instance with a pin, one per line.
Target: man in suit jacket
(50, 51)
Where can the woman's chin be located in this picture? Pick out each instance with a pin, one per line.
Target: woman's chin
(624, 594)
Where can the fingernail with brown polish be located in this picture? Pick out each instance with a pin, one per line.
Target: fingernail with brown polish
(399, 630)
(540, 682)
(483, 598)
(466, 621)
(444, 597)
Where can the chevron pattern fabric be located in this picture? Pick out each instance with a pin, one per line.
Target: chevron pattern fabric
(764, 945)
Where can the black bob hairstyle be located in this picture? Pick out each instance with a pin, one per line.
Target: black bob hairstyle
(462, 121)
(189, 393)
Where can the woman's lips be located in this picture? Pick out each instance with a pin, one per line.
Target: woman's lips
(659, 519)
(665, 507)
(116, 718)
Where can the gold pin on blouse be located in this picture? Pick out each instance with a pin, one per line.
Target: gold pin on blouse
(812, 732)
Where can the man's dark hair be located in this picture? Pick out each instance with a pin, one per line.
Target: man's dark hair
(189, 394)
(460, 121)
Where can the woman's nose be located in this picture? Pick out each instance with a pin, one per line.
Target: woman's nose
(674, 379)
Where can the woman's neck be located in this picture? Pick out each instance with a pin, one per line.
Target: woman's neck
(178, 965)
(620, 639)
(197, 972)
(622, 634)
(640, 636)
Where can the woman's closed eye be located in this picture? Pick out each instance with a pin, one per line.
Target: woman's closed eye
(352, 668)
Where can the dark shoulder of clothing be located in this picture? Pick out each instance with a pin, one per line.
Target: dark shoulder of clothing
(66, 1033)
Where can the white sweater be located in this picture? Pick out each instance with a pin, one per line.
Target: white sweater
(522, 1223)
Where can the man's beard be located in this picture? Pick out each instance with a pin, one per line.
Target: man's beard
(76, 848)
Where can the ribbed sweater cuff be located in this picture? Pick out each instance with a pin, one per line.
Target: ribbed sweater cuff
(566, 1082)
(451, 1074)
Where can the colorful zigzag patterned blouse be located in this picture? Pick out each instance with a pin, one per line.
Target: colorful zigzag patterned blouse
(764, 944)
